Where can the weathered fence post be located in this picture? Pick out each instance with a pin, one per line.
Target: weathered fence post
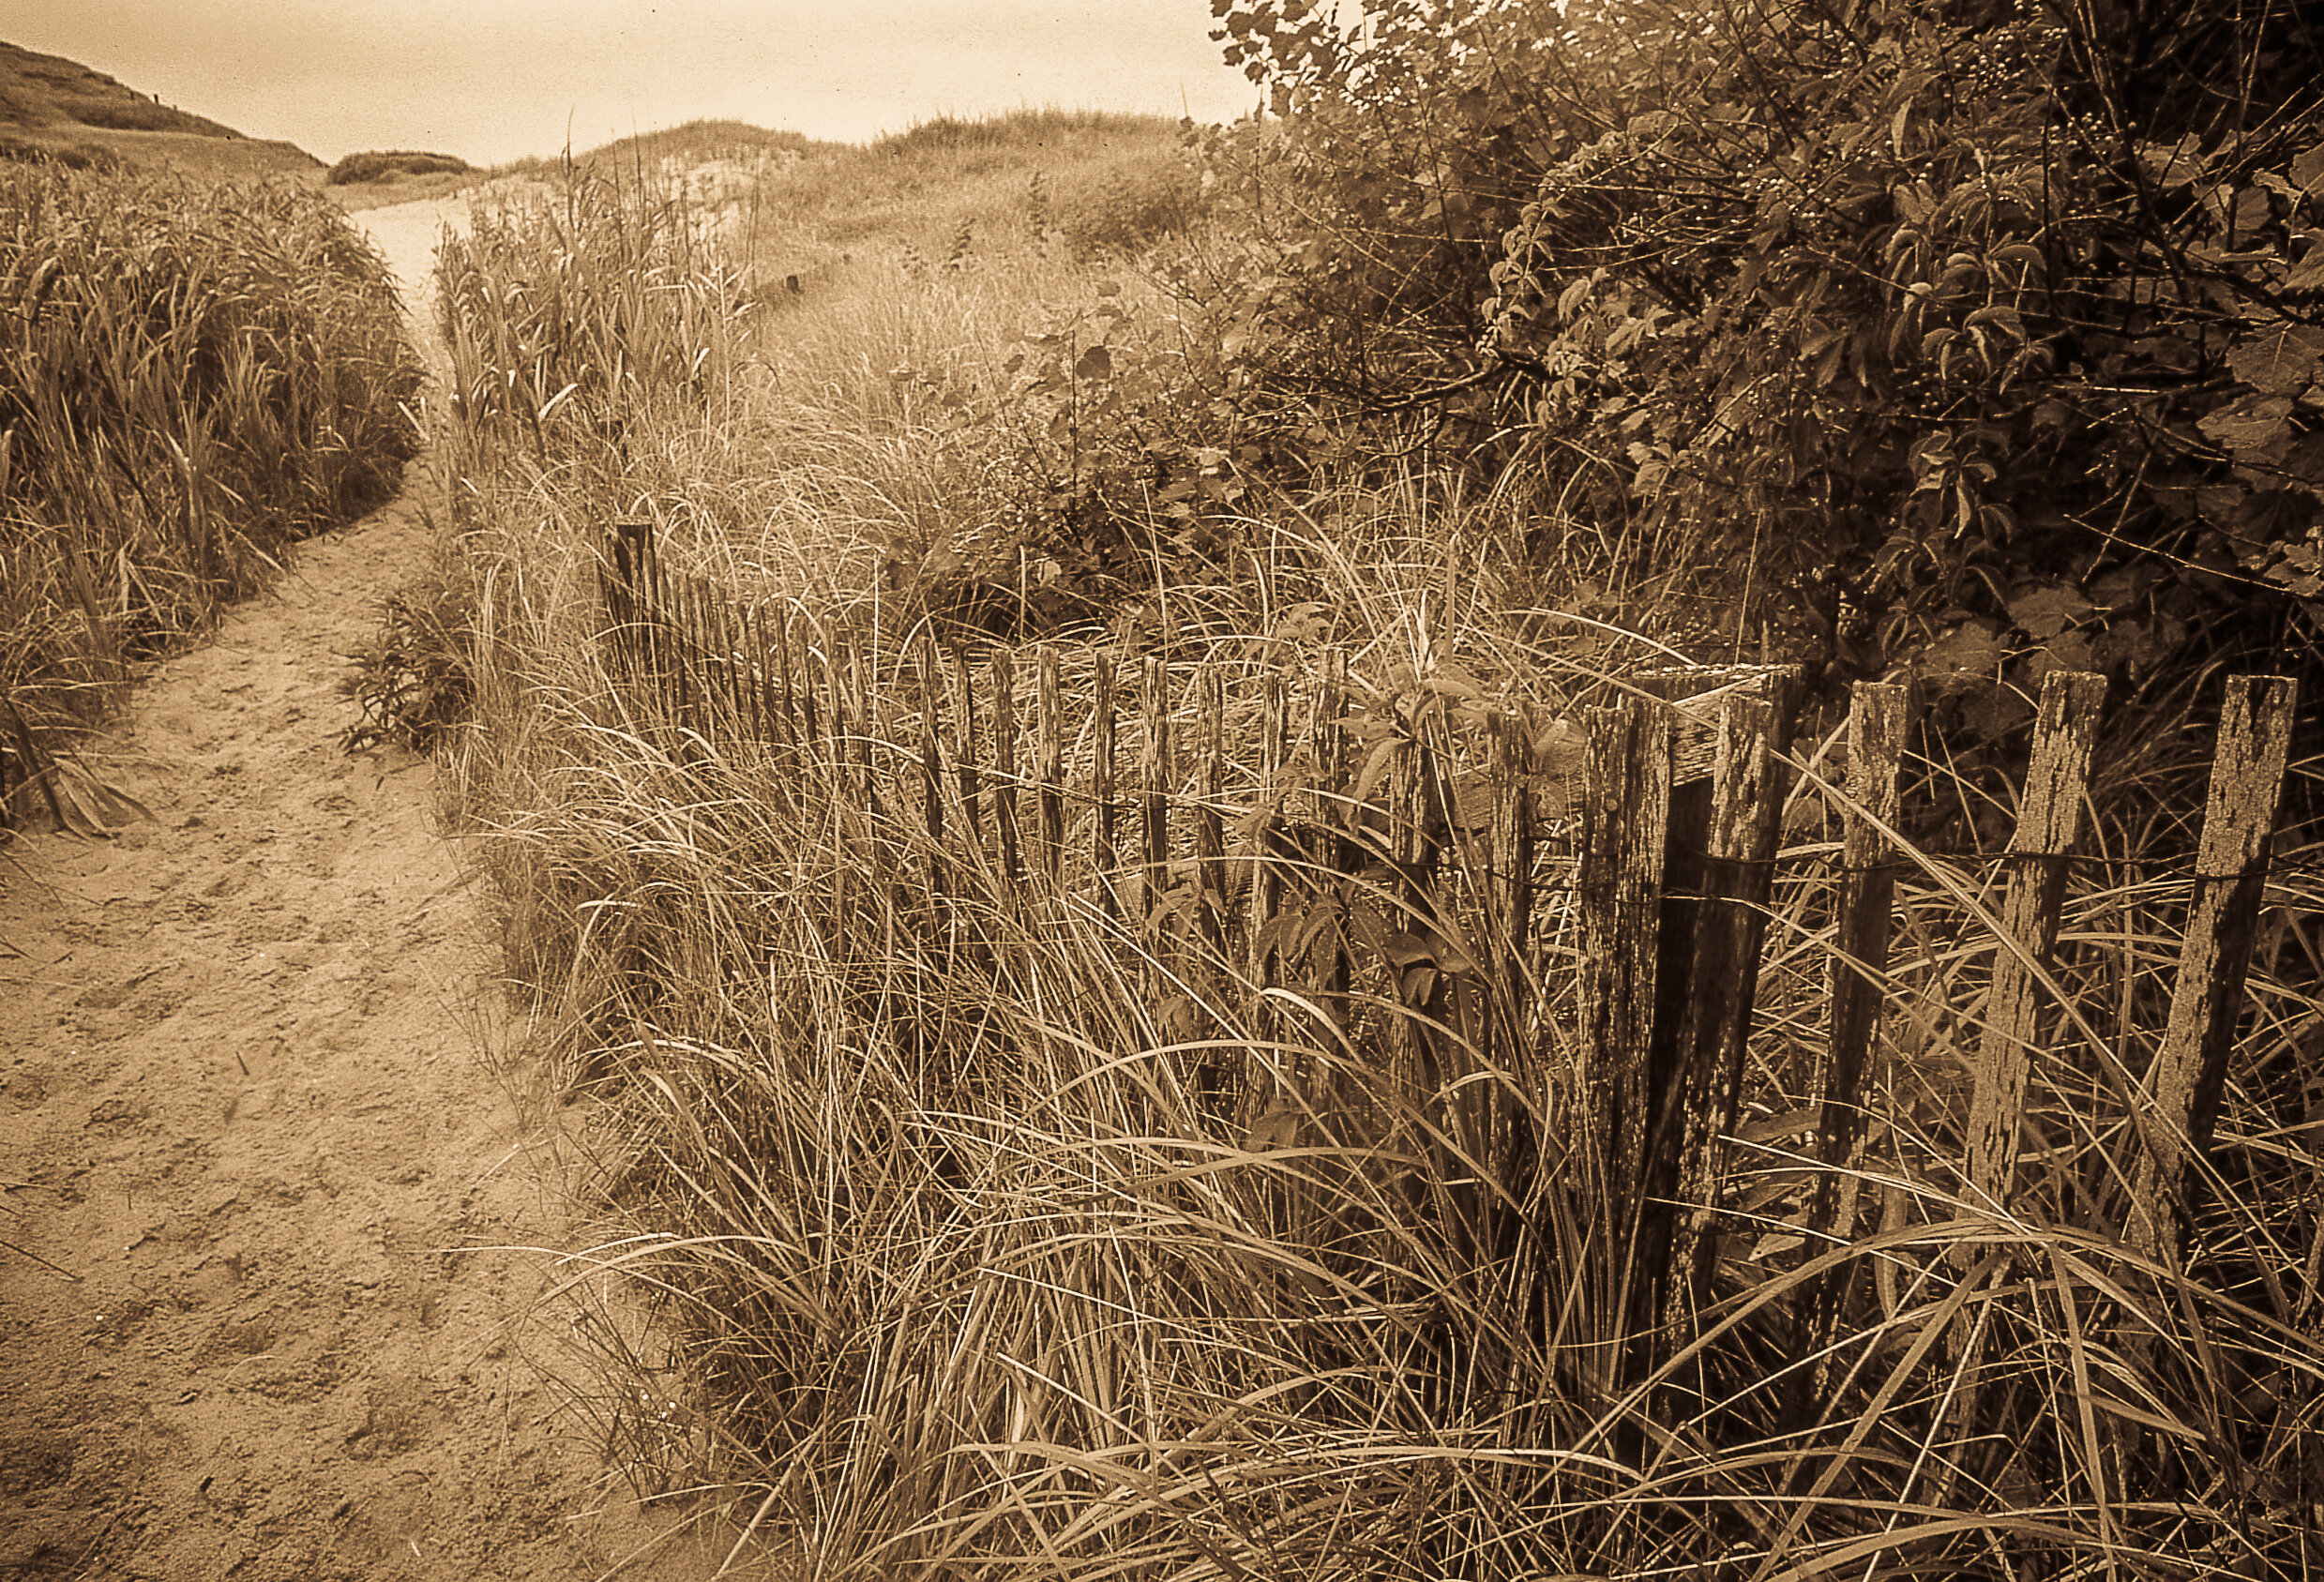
(931, 771)
(1210, 828)
(962, 687)
(1156, 778)
(1509, 848)
(2182, 1094)
(862, 726)
(1103, 845)
(679, 633)
(1216, 1078)
(1004, 774)
(838, 745)
(1879, 721)
(1265, 906)
(1048, 757)
(1626, 775)
(750, 675)
(1411, 858)
(783, 687)
(1747, 793)
(799, 681)
(622, 587)
(2048, 823)
(1329, 816)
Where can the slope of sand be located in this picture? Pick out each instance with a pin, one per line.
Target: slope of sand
(252, 1154)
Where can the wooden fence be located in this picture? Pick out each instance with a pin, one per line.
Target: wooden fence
(1274, 853)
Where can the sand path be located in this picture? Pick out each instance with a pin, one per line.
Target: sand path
(248, 1140)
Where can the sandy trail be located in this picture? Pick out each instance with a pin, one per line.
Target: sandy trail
(249, 1139)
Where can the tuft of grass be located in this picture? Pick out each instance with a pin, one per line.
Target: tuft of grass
(414, 677)
(192, 379)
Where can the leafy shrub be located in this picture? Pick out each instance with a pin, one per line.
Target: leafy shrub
(392, 165)
(1872, 342)
(1095, 479)
(1839, 298)
(1371, 209)
(1126, 205)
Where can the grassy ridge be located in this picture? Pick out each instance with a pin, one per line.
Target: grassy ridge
(49, 92)
(54, 108)
(958, 1272)
(190, 379)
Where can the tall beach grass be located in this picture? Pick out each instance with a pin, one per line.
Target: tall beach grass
(982, 1236)
(192, 379)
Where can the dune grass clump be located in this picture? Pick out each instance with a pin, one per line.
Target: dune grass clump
(959, 1264)
(190, 381)
(890, 375)
(691, 142)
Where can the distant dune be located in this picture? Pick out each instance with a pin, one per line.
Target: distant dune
(57, 106)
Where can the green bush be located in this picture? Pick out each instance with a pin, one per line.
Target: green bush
(392, 165)
(1862, 350)
(1126, 205)
(1983, 341)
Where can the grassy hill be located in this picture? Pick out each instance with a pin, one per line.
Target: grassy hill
(59, 108)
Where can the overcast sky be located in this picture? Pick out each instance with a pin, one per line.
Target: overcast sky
(490, 80)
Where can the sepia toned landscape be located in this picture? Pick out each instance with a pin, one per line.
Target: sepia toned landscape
(1555, 816)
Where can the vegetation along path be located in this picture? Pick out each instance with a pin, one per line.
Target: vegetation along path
(250, 1158)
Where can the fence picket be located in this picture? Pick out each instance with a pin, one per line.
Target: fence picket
(732, 720)
(863, 725)
(1103, 845)
(1628, 764)
(931, 750)
(1210, 830)
(1005, 771)
(1049, 757)
(1330, 817)
(780, 702)
(1627, 771)
(682, 649)
(2183, 1093)
(1410, 956)
(1747, 791)
(1880, 720)
(2048, 823)
(1156, 784)
(1509, 848)
(1879, 716)
(1263, 963)
(749, 677)
(962, 688)
(835, 744)
(799, 657)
